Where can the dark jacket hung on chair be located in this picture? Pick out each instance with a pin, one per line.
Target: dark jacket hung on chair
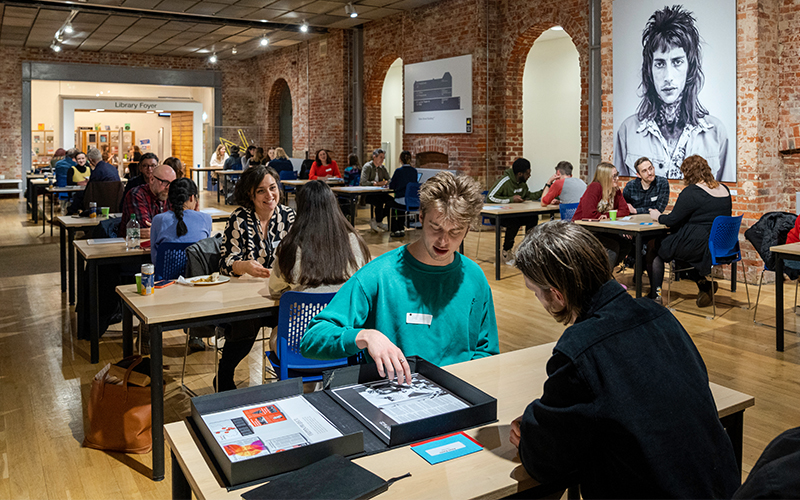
(771, 230)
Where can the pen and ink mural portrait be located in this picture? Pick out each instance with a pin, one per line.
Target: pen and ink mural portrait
(675, 85)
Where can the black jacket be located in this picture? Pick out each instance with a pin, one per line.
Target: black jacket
(777, 472)
(627, 405)
(771, 230)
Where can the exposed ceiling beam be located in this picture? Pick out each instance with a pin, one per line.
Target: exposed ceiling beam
(163, 16)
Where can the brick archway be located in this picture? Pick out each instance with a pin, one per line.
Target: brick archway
(374, 78)
(274, 110)
(515, 68)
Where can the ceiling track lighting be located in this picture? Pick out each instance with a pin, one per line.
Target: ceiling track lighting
(55, 46)
(264, 42)
(65, 28)
(213, 58)
(304, 26)
(350, 10)
(234, 51)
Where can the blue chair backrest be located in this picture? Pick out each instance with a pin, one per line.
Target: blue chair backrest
(724, 239)
(171, 260)
(297, 309)
(288, 175)
(412, 196)
(567, 210)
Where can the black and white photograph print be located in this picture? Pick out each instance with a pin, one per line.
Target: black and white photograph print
(674, 78)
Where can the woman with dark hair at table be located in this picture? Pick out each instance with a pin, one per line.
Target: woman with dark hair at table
(401, 178)
(701, 201)
(177, 166)
(321, 250)
(57, 157)
(323, 166)
(182, 223)
(248, 247)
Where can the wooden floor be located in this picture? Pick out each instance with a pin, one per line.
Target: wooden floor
(45, 372)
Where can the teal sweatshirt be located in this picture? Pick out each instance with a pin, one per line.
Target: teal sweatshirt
(382, 294)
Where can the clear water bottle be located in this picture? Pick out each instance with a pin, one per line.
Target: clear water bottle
(132, 234)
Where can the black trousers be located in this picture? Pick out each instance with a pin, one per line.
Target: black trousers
(512, 225)
(397, 218)
(239, 339)
(381, 202)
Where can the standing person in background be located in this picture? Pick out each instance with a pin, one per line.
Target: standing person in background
(626, 405)
(602, 195)
(218, 158)
(513, 188)
(253, 232)
(562, 187)
(401, 178)
(177, 166)
(134, 156)
(374, 173)
(80, 173)
(323, 167)
(352, 173)
(183, 223)
(281, 163)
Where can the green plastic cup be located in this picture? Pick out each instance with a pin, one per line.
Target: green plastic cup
(612, 214)
(104, 211)
(139, 283)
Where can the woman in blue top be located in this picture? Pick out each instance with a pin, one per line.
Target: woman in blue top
(182, 224)
(401, 178)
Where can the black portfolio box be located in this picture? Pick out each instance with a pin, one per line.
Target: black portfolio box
(360, 434)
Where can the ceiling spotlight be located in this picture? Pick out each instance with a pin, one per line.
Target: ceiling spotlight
(304, 26)
(264, 42)
(68, 29)
(234, 51)
(213, 58)
(56, 47)
(350, 10)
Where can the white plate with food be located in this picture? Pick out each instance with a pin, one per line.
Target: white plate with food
(210, 279)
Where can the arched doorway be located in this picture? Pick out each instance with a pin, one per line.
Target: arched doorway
(551, 105)
(285, 120)
(392, 114)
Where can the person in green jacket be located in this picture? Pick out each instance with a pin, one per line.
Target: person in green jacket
(422, 299)
(513, 188)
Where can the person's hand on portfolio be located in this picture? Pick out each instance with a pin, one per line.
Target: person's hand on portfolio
(388, 357)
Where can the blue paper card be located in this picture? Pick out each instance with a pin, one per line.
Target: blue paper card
(446, 448)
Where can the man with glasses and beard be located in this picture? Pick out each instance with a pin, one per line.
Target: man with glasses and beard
(148, 200)
(671, 124)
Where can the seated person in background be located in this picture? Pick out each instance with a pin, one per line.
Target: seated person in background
(562, 187)
(259, 158)
(248, 247)
(271, 154)
(352, 174)
(80, 173)
(701, 201)
(63, 167)
(57, 157)
(421, 299)
(147, 201)
(401, 178)
(249, 154)
(101, 172)
(218, 158)
(281, 162)
(234, 162)
(323, 167)
(626, 403)
(602, 195)
(646, 191)
(374, 173)
(513, 188)
(182, 223)
(147, 163)
(334, 251)
(177, 166)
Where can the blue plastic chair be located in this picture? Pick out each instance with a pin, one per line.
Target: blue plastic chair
(297, 309)
(567, 210)
(287, 175)
(410, 200)
(171, 260)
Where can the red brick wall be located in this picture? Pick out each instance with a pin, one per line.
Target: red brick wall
(237, 93)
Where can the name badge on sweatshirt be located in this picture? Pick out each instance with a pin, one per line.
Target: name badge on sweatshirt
(654, 198)
(418, 319)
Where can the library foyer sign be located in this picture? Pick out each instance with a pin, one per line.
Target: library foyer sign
(135, 106)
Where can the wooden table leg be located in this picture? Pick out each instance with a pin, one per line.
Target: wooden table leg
(62, 253)
(157, 400)
(779, 302)
(180, 486)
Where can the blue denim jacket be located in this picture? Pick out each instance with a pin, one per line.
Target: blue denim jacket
(627, 405)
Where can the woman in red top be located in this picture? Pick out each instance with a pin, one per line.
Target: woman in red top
(323, 167)
(602, 195)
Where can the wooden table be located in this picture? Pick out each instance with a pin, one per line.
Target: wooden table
(498, 212)
(226, 174)
(638, 226)
(790, 251)
(200, 170)
(331, 181)
(353, 192)
(514, 378)
(177, 307)
(37, 186)
(91, 258)
(51, 190)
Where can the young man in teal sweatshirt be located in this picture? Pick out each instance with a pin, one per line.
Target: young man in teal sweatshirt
(422, 299)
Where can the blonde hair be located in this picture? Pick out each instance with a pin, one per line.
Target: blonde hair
(280, 153)
(458, 198)
(221, 146)
(605, 176)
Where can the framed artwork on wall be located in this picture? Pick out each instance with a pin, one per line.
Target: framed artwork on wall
(438, 96)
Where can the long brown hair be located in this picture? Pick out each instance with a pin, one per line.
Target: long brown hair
(695, 170)
(604, 175)
(323, 236)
